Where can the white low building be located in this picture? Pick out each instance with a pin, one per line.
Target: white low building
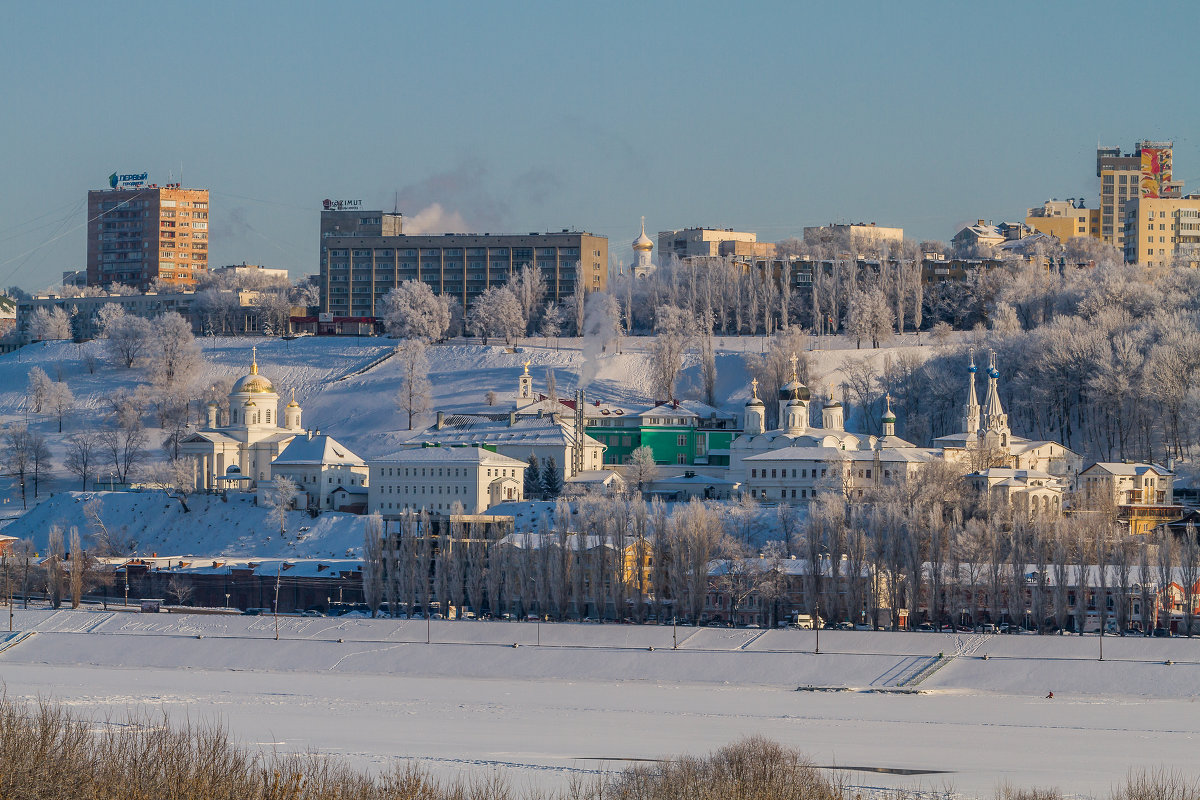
(465, 480)
(319, 464)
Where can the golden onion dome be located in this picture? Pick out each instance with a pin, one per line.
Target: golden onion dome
(643, 242)
(254, 383)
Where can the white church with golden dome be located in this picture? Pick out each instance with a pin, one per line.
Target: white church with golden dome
(642, 266)
(238, 454)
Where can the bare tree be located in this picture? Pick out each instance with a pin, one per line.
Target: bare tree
(83, 453)
(373, 564)
(78, 560)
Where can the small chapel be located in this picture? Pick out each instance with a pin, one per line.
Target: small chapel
(238, 454)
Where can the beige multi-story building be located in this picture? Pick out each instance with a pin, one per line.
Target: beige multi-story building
(364, 255)
(142, 234)
(859, 235)
(711, 243)
(466, 480)
(1144, 173)
(1064, 220)
(1159, 230)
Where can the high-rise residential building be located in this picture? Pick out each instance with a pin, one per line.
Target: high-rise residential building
(1159, 230)
(1144, 173)
(1064, 219)
(711, 243)
(365, 254)
(140, 234)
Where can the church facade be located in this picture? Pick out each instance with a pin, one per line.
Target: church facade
(238, 455)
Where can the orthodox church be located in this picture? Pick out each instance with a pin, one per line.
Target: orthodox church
(794, 430)
(238, 455)
(642, 266)
(987, 440)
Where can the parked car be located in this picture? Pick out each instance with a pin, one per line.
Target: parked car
(988, 627)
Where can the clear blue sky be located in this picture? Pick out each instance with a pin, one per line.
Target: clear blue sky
(540, 116)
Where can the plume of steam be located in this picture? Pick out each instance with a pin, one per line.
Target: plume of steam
(601, 326)
(435, 219)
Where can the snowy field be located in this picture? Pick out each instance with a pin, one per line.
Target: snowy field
(579, 698)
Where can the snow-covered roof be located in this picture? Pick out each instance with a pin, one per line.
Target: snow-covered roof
(526, 430)
(443, 454)
(694, 479)
(829, 454)
(595, 476)
(1122, 468)
(317, 449)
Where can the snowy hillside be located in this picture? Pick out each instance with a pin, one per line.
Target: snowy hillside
(151, 522)
(348, 388)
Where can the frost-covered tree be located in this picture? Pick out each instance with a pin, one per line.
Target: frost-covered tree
(415, 393)
(174, 355)
(496, 313)
(60, 401)
(529, 287)
(275, 310)
(642, 469)
(551, 325)
(39, 388)
(413, 311)
(49, 324)
(127, 337)
(672, 326)
(279, 498)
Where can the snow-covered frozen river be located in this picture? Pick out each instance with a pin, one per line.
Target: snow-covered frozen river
(593, 696)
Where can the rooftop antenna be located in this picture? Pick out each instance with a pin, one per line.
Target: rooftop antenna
(396, 202)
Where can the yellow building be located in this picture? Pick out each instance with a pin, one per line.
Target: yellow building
(1144, 173)
(1063, 220)
(1158, 229)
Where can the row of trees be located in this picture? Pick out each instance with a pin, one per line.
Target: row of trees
(598, 557)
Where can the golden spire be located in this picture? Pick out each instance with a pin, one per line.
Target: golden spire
(254, 360)
(527, 363)
(754, 388)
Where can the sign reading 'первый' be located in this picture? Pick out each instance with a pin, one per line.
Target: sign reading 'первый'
(130, 181)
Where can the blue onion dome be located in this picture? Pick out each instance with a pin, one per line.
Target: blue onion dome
(993, 373)
(972, 369)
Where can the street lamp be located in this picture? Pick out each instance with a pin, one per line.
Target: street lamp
(227, 600)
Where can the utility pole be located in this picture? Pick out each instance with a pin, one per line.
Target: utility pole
(8, 594)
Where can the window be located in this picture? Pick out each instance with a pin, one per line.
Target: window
(682, 440)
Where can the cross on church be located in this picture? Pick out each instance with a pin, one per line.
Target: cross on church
(754, 388)
(794, 360)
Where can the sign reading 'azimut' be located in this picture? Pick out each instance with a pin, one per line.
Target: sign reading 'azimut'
(341, 205)
(130, 181)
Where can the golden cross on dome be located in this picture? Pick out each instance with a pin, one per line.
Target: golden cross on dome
(794, 360)
(754, 388)
(254, 360)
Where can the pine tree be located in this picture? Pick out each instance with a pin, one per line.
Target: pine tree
(551, 478)
(533, 478)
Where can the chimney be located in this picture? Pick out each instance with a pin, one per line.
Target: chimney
(512, 418)
(441, 419)
(309, 434)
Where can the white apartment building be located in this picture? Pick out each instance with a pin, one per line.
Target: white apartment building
(434, 479)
